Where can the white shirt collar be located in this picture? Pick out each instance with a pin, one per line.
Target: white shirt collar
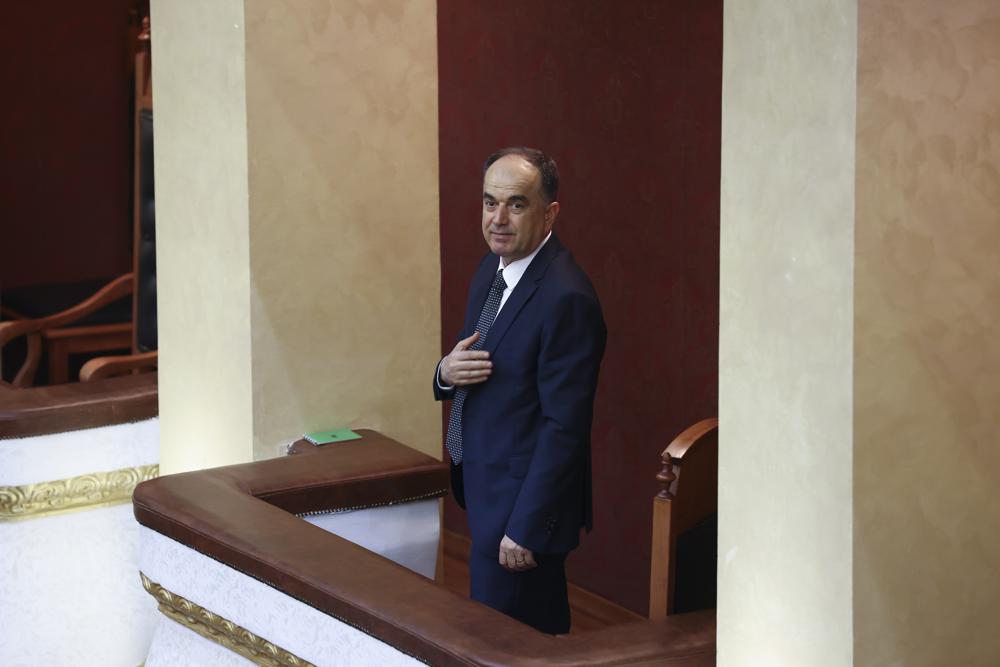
(512, 272)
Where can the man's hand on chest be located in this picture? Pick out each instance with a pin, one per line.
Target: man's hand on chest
(463, 366)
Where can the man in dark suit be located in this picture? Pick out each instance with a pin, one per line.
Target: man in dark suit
(522, 380)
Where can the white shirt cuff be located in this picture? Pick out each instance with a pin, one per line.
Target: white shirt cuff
(441, 386)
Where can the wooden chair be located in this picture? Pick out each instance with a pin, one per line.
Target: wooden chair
(685, 506)
(54, 331)
(144, 338)
(53, 328)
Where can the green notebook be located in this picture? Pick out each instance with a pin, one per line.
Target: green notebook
(336, 435)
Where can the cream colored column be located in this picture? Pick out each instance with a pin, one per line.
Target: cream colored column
(334, 278)
(203, 233)
(859, 458)
(927, 334)
(786, 348)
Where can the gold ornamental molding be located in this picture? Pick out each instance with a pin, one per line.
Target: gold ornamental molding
(220, 630)
(76, 493)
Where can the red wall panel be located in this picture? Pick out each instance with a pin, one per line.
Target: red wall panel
(65, 157)
(627, 97)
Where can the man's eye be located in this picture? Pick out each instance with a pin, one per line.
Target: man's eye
(491, 204)
(517, 206)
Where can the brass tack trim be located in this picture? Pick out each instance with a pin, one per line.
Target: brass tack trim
(354, 508)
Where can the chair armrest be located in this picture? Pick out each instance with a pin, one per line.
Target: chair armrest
(116, 289)
(104, 367)
(679, 446)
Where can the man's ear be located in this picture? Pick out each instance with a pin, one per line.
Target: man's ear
(551, 211)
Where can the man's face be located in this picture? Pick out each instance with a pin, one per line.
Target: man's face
(515, 215)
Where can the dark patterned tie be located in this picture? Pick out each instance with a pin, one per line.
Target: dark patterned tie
(454, 439)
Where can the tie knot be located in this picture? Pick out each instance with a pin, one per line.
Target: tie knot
(499, 283)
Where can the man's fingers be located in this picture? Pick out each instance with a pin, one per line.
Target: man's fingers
(462, 356)
(473, 372)
(516, 560)
(514, 557)
(466, 343)
(524, 558)
(470, 372)
(526, 564)
(459, 361)
(472, 364)
(508, 559)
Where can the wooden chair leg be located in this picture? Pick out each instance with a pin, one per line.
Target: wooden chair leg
(26, 376)
(659, 567)
(58, 362)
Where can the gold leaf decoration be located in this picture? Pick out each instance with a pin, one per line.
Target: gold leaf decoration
(220, 630)
(76, 493)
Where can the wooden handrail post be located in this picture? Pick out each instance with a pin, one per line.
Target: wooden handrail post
(659, 567)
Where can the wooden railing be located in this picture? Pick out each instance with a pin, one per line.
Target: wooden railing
(77, 405)
(244, 516)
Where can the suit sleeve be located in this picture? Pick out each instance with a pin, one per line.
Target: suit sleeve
(441, 393)
(569, 360)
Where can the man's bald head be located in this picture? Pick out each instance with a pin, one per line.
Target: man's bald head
(545, 165)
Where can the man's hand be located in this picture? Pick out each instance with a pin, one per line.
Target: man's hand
(463, 366)
(514, 557)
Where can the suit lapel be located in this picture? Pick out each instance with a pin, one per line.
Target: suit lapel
(522, 293)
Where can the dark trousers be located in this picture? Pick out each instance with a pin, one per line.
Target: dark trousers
(536, 597)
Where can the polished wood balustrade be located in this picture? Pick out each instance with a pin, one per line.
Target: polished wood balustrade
(75, 406)
(244, 516)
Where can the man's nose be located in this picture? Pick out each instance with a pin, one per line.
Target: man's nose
(500, 215)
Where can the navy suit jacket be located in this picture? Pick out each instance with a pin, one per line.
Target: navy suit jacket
(526, 468)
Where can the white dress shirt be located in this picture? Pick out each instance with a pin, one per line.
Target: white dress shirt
(512, 272)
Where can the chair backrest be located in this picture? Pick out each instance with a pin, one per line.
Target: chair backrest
(144, 204)
(684, 513)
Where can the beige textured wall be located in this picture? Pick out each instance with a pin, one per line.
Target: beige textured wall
(342, 125)
(787, 211)
(202, 243)
(297, 206)
(927, 356)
